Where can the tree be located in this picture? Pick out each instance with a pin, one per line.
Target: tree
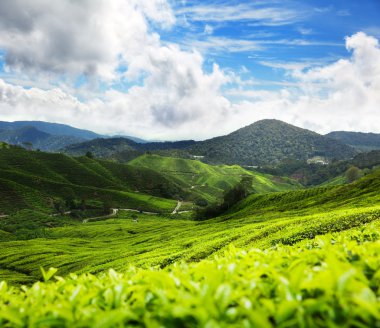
(352, 174)
(89, 154)
(230, 198)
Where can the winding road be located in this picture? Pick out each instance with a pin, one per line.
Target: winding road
(175, 211)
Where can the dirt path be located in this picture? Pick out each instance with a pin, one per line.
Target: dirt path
(114, 212)
(137, 211)
(177, 207)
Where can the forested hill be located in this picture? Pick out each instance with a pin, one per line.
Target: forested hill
(269, 141)
(264, 142)
(360, 140)
(121, 148)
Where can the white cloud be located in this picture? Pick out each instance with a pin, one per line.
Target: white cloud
(269, 15)
(344, 95)
(208, 29)
(175, 97)
(90, 37)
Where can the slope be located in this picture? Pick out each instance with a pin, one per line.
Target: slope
(264, 142)
(360, 140)
(269, 141)
(38, 180)
(261, 221)
(331, 281)
(207, 181)
(122, 148)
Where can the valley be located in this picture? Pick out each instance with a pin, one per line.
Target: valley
(189, 164)
(85, 227)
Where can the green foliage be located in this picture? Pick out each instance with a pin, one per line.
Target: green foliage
(352, 174)
(258, 221)
(268, 142)
(56, 182)
(49, 274)
(310, 174)
(359, 140)
(330, 281)
(200, 180)
(264, 142)
(231, 197)
(305, 258)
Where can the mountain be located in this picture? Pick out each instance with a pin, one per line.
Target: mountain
(264, 142)
(359, 140)
(42, 135)
(268, 142)
(123, 149)
(30, 137)
(55, 129)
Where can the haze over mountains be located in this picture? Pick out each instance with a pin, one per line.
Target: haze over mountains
(359, 140)
(266, 141)
(263, 142)
(45, 135)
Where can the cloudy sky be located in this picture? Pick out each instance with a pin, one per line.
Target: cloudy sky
(162, 69)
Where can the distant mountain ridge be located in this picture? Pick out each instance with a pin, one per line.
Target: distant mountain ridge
(29, 136)
(123, 149)
(47, 136)
(51, 128)
(263, 142)
(360, 140)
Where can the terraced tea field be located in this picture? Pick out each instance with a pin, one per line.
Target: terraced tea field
(296, 258)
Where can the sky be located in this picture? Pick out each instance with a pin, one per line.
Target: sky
(191, 69)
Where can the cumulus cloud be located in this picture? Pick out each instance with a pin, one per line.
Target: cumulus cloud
(90, 37)
(344, 95)
(172, 96)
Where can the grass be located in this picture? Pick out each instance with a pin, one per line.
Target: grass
(207, 181)
(260, 221)
(299, 258)
(37, 180)
(330, 281)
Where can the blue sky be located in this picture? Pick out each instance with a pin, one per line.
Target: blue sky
(164, 69)
(310, 32)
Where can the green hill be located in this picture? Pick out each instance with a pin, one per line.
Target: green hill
(360, 140)
(269, 142)
(41, 181)
(121, 148)
(38, 180)
(304, 257)
(259, 221)
(207, 181)
(264, 142)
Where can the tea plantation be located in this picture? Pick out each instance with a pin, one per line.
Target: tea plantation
(303, 258)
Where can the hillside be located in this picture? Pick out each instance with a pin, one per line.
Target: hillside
(360, 140)
(268, 142)
(302, 256)
(264, 142)
(260, 221)
(121, 148)
(38, 180)
(210, 182)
